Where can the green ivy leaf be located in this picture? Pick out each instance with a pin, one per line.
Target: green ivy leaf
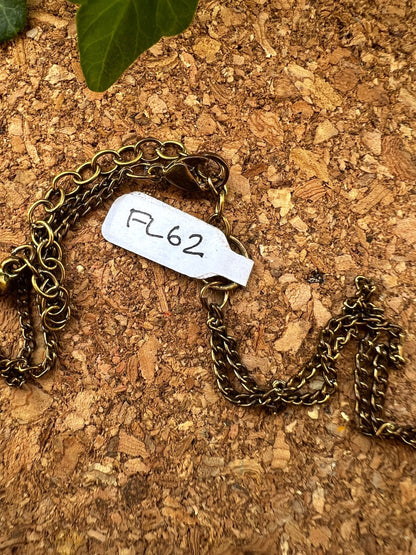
(12, 18)
(113, 33)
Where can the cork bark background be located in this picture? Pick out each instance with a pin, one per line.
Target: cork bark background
(127, 446)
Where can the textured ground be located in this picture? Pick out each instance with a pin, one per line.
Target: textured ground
(127, 446)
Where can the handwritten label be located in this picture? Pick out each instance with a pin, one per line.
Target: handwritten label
(175, 239)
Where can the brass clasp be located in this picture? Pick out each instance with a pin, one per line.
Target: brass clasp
(4, 283)
(183, 175)
(6, 278)
(199, 172)
(12, 266)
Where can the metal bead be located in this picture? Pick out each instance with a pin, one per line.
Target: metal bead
(5, 283)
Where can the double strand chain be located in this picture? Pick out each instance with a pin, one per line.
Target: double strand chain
(36, 268)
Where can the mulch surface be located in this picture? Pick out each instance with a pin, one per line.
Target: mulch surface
(127, 446)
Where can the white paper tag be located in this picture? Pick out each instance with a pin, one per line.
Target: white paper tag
(175, 239)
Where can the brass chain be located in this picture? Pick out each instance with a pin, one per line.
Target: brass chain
(37, 267)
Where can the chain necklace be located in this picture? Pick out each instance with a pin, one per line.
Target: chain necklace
(36, 268)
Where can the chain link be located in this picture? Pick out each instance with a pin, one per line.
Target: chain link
(38, 267)
(379, 349)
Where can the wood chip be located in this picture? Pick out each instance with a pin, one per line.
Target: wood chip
(72, 451)
(136, 466)
(408, 491)
(378, 193)
(312, 190)
(147, 356)
(57, 73)
(293, 337)
(281, 198)
(406, 229)
(29, 403)
(260, 31)
(318, 499)
(207, 48)
(266, 125)
(250, 467)
(281, 452)
(399, 161)
(325, 131)
(320, 537)
(298, 295)
(344, 262)
(309, 163)
(132, 446)
(321, 314)
(372, 140)
(408, 99)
